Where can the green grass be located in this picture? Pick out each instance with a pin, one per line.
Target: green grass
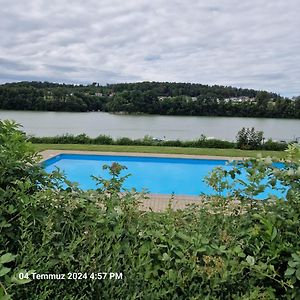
(157, 149)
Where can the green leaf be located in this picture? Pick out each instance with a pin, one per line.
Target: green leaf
(4, 296)
(4, 271)
(296, 257)
(271, 268)
(183, 236)
(172, 275)
(25, 278)
(250, 260)
(179, 254)
(298, 274)
(4, 224)
(237, 249)
(293, 264)
(165, 257)
(274, 234)
(6, 258)
(289, 272)
(17, 280)
(222, 248)
(202, 249)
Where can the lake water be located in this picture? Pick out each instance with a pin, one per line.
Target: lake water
(137, 126)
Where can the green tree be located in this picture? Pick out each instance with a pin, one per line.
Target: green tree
(249, 139)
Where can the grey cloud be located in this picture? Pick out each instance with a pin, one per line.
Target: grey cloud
(63, 69)
(270, 76)
(251, 44)
(11, 77)
(152, 57)
(9, 64)
(102, 77)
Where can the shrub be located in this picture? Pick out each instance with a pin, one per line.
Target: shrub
(249, 139)
(214, 143)
(20, 177)
(271, 145)
(103, 140)
(223, 249)
(125, 141)
(251, 142)
(251, 177)
(174, 143)
(82, 139)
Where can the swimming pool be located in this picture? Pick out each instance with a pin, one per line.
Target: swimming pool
(157, 175)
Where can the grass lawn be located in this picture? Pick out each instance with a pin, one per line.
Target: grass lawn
(159, 149)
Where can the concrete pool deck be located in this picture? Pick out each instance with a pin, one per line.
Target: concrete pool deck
(46, 154)
(154, 202)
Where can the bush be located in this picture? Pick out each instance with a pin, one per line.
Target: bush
(271, 145)
(125, 141)
(20, 177)
(249, 139)
(174, 143)
(218, 144)
(103, 140)
(223, 249)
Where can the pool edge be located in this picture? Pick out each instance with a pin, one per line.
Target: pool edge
(47, 154)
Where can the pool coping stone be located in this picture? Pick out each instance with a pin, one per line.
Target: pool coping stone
(46, 154)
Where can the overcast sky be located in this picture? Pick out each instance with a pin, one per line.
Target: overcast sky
(250, 43)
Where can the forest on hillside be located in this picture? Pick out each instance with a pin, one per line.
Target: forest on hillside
(164, 98)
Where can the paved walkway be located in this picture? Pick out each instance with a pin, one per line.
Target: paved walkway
(158, 202)
(46, 154)
(155, 202)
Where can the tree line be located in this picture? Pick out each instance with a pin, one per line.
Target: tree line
(165, 98)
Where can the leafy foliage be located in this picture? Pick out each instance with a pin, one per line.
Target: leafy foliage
(166, 98)
(203, 142)
(249, 139)
(244, 142)
(260, 173)
(223, 249)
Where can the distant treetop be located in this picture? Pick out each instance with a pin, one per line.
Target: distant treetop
(165, 98)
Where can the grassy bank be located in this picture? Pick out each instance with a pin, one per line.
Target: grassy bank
(158, 149)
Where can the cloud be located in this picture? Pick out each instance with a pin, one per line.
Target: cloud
(8, 64)
(152, 57)
(252, 44)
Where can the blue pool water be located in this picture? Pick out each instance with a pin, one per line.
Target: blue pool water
(156, 175)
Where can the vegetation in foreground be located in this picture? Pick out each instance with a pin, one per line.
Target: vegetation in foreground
(164, 98)
(227, 248)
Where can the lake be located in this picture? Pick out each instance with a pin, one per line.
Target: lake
(137, 126)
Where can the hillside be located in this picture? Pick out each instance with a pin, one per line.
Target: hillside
(165, 98)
